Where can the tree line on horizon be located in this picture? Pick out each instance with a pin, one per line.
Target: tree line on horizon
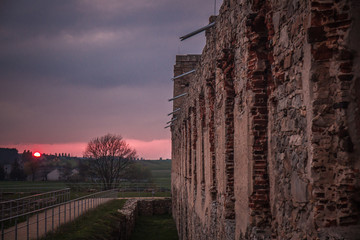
(108, 159)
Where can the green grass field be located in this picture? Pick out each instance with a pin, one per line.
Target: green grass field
(20, 185)
(160, 170)
(160, 227)
(156, 164)
(161, 178)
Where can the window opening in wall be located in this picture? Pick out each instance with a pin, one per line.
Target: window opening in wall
(189, 147)
(202, 121)
(194, 143)
(183, 146)
(210, 83)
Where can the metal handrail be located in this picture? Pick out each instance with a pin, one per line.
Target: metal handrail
(35, 195)
(81, 204)
(56, 205)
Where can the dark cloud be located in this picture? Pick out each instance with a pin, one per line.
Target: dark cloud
(70, 70)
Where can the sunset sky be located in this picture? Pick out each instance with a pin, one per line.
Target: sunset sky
(72, 70)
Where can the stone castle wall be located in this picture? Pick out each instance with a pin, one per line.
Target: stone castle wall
(267, 141)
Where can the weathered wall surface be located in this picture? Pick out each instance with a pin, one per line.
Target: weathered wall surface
(267, 141)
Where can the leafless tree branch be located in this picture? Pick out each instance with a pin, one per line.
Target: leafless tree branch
(110, 155)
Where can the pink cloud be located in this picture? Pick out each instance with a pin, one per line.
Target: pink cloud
(146, 149)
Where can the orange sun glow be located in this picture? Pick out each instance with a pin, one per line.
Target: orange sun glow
(37, 154)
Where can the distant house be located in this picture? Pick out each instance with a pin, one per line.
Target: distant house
(7, 155)
(7, 169)
(57, 174)
(74, 172)
(54, 175)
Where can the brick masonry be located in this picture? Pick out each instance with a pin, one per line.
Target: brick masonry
(267, 142)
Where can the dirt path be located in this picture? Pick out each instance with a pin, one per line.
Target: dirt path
(51, 219)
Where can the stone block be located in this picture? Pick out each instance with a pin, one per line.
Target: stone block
(298, 189)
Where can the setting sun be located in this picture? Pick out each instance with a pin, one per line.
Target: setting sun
(37, 154)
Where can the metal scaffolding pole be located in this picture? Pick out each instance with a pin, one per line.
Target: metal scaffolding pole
(197, 31)
(176, 110)
(171, 120)
(184, 74)
(178, 96)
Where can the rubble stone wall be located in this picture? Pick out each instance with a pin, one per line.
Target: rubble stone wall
(267, 142)
(136, 207)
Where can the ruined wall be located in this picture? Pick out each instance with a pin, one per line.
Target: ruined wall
(143, 207)
(267, 141)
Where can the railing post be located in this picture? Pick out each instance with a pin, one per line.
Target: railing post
(27, 227)
(45, 221)
(17, 208)
(16, 228)
(65, 213)
(2, 230)
(52, 219)
(37, 225)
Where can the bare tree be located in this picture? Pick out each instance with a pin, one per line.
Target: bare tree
(31, 164)
(109, 156)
